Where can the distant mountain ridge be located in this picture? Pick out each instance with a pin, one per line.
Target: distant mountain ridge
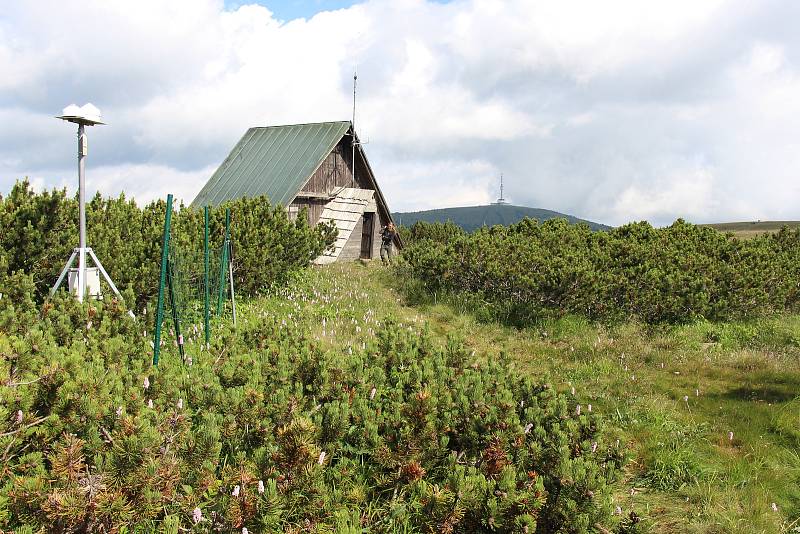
(473, 217)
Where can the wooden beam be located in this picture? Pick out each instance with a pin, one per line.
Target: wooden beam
(313, 194)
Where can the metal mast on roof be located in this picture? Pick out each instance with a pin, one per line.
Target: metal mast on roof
(353, 126)
(87, 115)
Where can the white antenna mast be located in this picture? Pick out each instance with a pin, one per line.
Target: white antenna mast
(353, 126)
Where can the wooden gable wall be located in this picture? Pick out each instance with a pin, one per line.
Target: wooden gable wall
(333, 173)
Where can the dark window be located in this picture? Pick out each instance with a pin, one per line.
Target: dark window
(366, 235)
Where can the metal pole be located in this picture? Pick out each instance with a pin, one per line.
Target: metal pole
(207, 289)
(223, 262)
(353, 125)
(82, 144)
(230, 272)
(161, 282)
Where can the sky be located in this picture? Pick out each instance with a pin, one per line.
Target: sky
(613, 111)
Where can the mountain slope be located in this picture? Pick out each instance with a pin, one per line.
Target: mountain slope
(473, 217)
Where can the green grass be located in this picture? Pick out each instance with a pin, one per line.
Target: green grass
(672, 395)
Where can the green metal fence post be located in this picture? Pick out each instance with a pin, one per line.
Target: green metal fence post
(161, 281)
(223, 262)
(207, 309)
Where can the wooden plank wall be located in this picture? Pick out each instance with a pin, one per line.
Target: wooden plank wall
(352, 249)
(335, 171)
(314, 205)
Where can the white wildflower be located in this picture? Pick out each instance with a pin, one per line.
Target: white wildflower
(146, 382)
(150, 403)
(578, 410)
(372, 393)
(589, 408)
(119, 411)
(180, 404)
(617, 510)
(321, 458)
(260, 486)
(20, 417)
(197, 515)
(774, 507)
(594, 446)
(730, 436)
(528, 428)
(236, 489)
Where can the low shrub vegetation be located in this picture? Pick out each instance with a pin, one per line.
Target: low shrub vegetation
(527, 272)
(267, 429)
(41, 229)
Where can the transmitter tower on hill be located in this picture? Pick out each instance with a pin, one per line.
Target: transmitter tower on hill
(501, 200)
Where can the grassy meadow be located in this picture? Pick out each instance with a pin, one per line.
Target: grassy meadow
(709, 414)
(749, 229)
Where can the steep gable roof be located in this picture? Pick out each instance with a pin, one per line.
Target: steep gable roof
(275, 161)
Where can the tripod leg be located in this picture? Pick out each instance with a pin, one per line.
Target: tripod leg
(108, 279)
(64, 272)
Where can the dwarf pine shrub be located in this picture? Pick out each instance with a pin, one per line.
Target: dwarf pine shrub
(41, 229)
(527, 272)
(267, 431)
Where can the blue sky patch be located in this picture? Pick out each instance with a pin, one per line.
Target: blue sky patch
(287, 10)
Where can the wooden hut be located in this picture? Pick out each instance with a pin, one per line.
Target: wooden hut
(308, 166)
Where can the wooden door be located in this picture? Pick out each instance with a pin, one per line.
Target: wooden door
(367, 229)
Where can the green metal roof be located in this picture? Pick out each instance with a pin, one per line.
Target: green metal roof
(275, 161)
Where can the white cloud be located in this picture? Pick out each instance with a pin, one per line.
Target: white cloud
(438, 184)
(611, 110)
(689, 195)
(149, 182)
